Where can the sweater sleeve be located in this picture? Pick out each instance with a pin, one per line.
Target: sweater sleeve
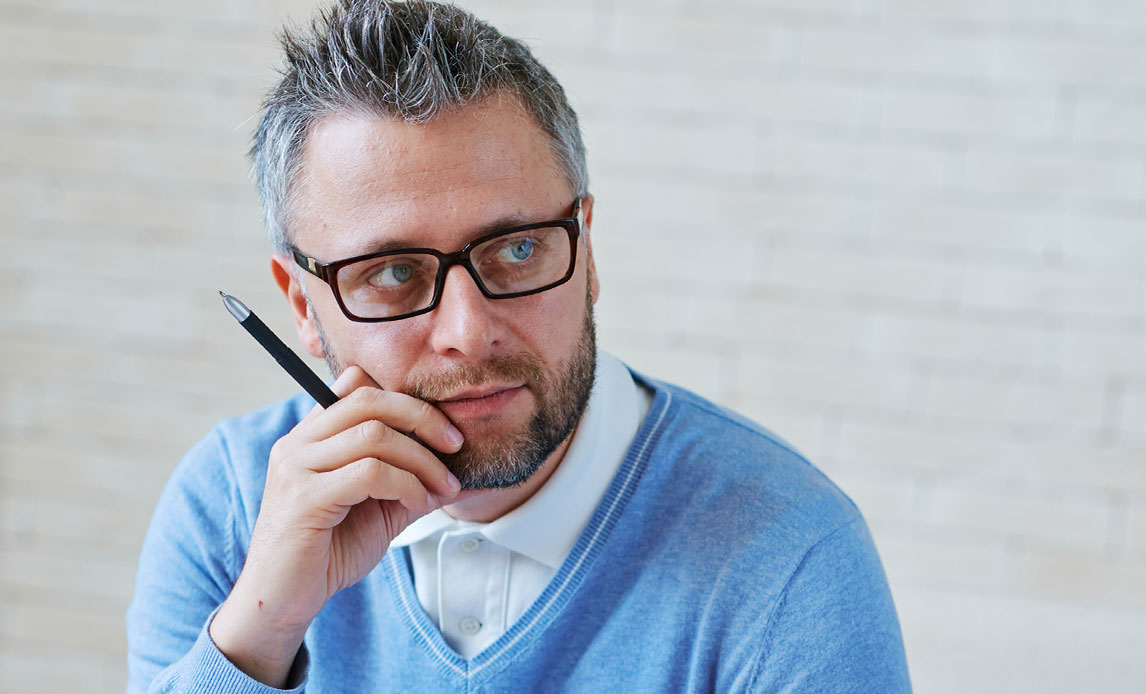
(188, 565)
(834, 628)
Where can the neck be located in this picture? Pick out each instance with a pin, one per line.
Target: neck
(485, 505)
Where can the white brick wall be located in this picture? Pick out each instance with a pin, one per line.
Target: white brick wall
(907, 235)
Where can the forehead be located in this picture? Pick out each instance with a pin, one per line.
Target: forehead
(365, 181)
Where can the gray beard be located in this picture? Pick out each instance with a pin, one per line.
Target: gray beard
(561, 400)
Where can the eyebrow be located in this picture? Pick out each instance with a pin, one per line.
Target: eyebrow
(499, 224)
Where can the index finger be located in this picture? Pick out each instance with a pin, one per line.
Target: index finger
(348, 381)
(366, 401)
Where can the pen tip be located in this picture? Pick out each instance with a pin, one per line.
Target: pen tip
(222, 294)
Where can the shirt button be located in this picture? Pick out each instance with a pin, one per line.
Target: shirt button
(469, 626)
(470, 544)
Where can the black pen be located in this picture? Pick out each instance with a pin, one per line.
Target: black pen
(287, 359)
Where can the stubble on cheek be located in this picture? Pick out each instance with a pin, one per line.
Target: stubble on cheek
(332, 362)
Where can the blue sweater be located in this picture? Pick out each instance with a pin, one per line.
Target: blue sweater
(719, 560)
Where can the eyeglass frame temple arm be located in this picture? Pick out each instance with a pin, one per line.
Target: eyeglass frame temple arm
(310, 265)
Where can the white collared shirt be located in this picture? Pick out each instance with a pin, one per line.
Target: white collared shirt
(474, 580)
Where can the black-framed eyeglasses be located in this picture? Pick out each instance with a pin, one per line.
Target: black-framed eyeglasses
(402, 283)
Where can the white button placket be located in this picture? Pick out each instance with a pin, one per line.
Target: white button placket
(471, 591)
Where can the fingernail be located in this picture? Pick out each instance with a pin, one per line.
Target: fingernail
(433, 501)
(454, 435)
(453, 482)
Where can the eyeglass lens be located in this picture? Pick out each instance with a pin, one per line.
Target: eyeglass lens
(394, 285)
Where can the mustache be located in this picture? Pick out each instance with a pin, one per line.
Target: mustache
(517, 367)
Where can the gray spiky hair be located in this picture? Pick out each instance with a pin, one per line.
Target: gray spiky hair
(403, 60)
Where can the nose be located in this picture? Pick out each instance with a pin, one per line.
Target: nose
(465, 323)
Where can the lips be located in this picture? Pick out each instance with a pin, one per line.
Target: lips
(480, 402)
(477, 394)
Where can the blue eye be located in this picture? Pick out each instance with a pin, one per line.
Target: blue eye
(392, 275)
(517, 250)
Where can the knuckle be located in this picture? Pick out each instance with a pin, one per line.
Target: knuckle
(409, 481)
(374, 431)
(281, 457)
(425, 411)
(382, 398)
(369, 470)
(361, 395)
(276, 453)
(410, 487)
(378, 401)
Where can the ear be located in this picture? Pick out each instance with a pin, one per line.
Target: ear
(282, 267)
(586, 225)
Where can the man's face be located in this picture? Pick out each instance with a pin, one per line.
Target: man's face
(513, 375)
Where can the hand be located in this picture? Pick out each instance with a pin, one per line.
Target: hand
(340, 486)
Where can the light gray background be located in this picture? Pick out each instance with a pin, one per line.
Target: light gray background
(907, 235)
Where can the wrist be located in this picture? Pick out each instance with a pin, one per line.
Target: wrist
(252, 640)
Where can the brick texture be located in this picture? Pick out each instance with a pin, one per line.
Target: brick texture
(908, 236)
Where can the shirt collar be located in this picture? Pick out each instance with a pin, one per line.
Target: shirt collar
(547, 525)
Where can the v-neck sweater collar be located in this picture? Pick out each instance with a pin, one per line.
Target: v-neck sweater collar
(397, 569)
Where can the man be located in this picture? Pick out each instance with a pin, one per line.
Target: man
(492, 505)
